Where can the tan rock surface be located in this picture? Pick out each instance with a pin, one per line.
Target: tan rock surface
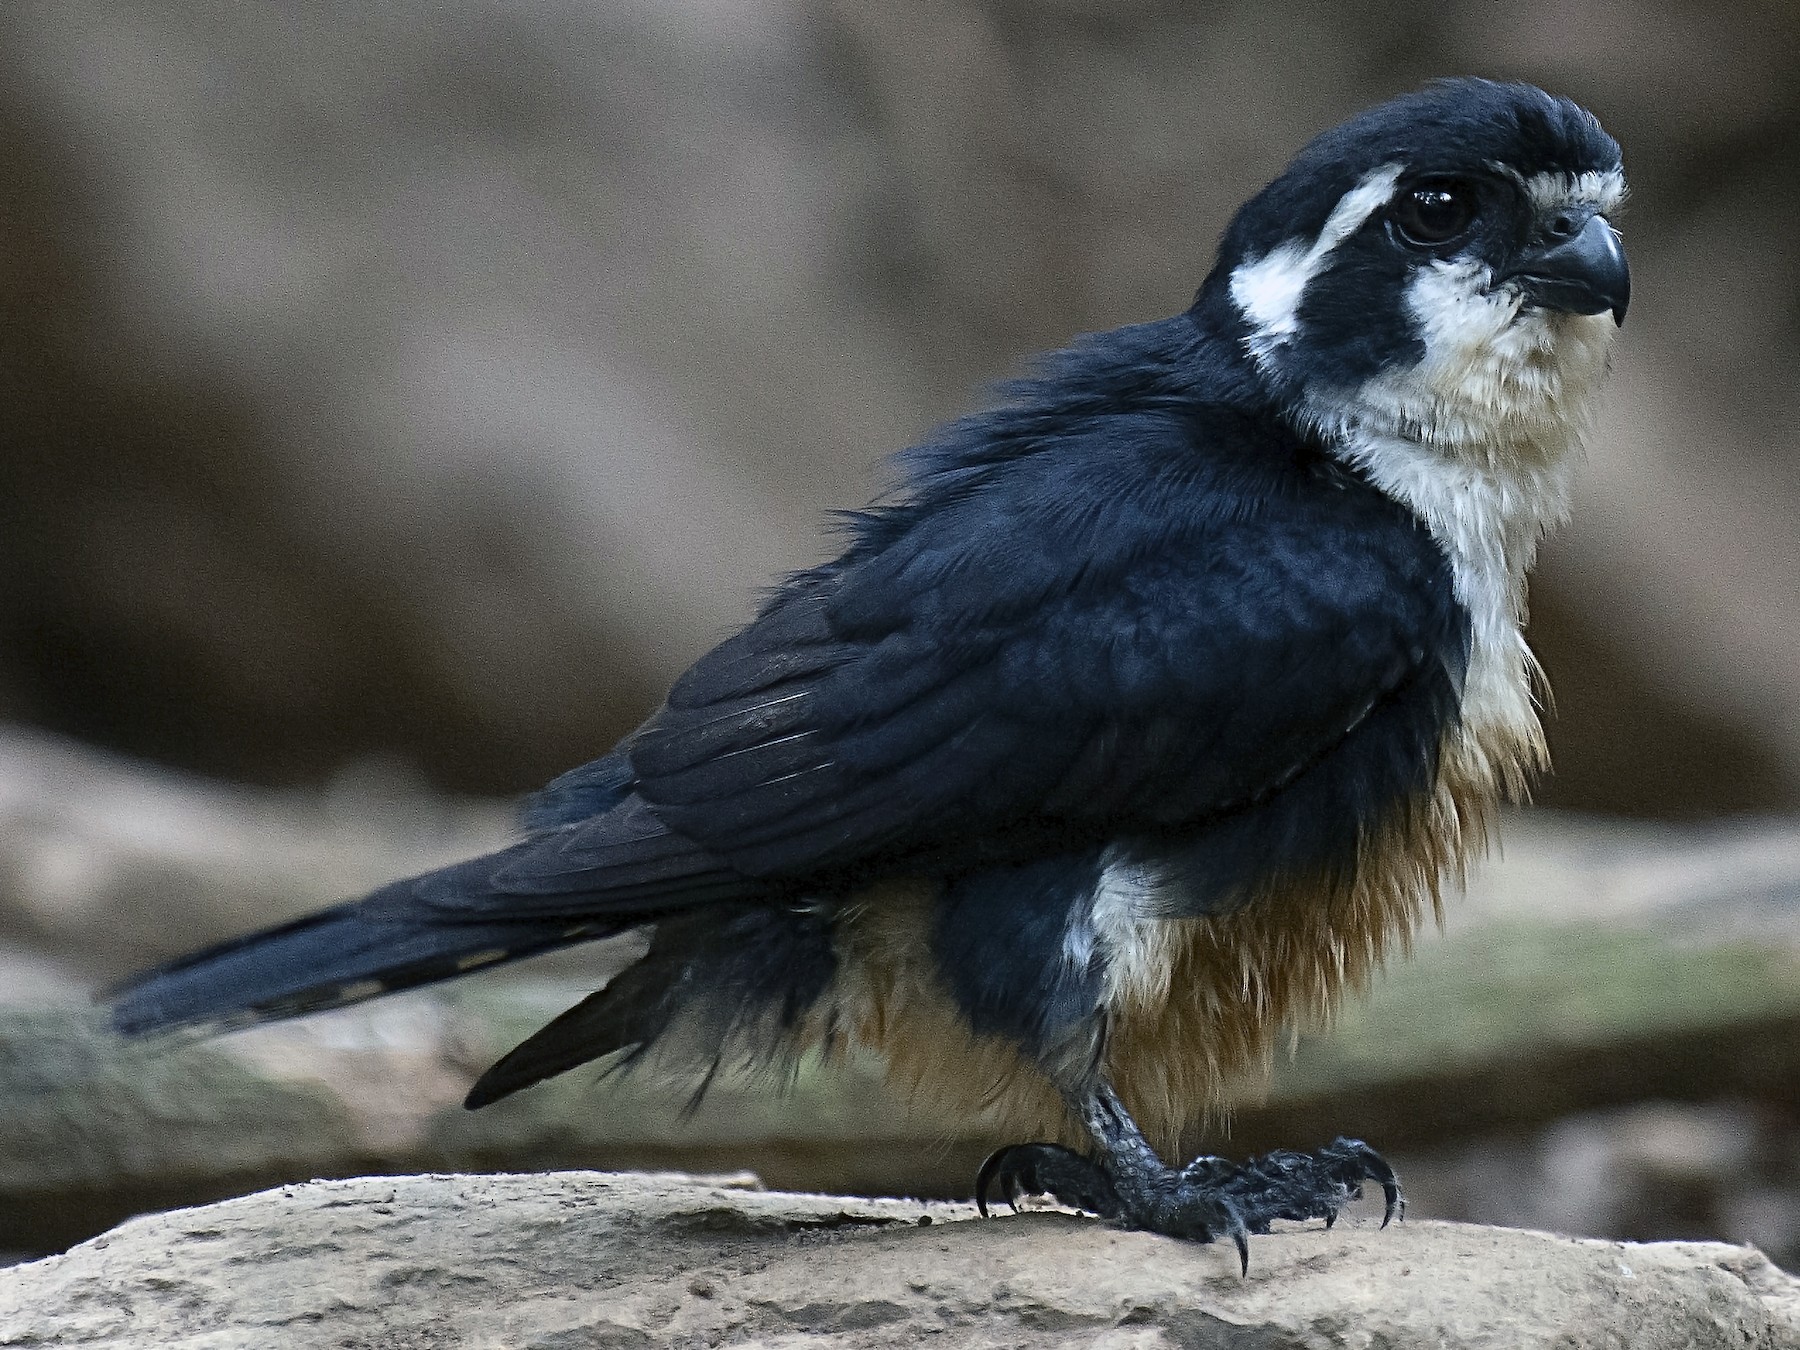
(589, 1260)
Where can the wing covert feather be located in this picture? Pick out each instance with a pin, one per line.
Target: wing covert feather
(1007, 667)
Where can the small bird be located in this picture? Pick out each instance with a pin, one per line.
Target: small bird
(1136, 725)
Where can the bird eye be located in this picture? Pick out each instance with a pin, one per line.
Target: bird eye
(1432, 214)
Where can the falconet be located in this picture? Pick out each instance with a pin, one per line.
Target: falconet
(1136, 724)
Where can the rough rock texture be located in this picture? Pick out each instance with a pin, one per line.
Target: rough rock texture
(593, 1260)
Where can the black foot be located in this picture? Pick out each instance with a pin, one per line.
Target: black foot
(1209, 1198)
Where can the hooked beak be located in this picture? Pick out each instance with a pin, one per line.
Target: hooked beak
(1585, 274)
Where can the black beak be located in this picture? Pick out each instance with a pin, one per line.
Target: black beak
(1583, 274)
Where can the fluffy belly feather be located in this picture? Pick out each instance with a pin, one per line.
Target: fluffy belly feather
(1235, 983)
(1194, 1006)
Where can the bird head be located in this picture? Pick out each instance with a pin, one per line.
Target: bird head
(1442, 267)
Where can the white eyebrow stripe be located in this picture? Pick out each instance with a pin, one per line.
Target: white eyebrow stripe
(1268, 291)
(1602, 189)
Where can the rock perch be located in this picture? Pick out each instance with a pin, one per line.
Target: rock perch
(581, 1259)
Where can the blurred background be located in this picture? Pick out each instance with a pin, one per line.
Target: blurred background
(396, 396)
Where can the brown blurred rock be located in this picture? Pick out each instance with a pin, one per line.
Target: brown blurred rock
(108, 864)
(594, 1260)
(409, 382)
(1648, 1171)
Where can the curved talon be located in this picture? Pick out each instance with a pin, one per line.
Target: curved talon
(985, 1178)
(1047, 1169)
(1396, 1204)
(1374, 1168)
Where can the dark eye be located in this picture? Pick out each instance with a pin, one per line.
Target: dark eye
(1431, 214)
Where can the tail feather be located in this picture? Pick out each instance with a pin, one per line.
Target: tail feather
(554, 888)
(738, 980)
(726, 966)
(600, 1025)
(339, 956)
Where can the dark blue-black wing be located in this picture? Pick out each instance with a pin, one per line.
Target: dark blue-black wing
(1124, 638)
(965, 697)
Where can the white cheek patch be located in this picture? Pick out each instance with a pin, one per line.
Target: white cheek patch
(1496, 379)
(1268, 291)
(1481, 438)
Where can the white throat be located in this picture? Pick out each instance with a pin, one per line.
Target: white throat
(1481, 440)
(1488, 519)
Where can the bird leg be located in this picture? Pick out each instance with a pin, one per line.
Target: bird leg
(1209, 1198)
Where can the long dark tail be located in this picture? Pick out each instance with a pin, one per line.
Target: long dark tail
(554, 888)
(725, 964)
(341, 955)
